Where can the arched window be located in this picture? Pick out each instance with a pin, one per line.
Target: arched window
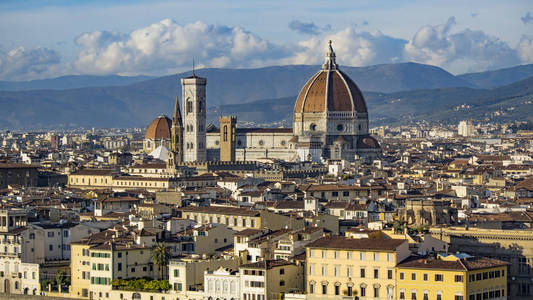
(189, 106)
(225, 133)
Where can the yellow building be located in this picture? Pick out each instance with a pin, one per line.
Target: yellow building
(451, 277)
(92, 178)
(337, 267)
(239, 218)
(80, 270)
(513, 246)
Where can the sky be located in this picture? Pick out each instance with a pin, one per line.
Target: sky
(45, 39)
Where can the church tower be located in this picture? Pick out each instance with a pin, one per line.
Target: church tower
(227, 137)
(176, 135)
(194, 118)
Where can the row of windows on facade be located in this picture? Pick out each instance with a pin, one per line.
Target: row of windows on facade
(344, 193)
(350, 254)
(349, 272)
(189, 107)
(52, 234)
(493, 294)
(253, 296)
(349, 291)
(190, 128)
(23, 275)
(191, 146)
(225, 220)
(102, 180)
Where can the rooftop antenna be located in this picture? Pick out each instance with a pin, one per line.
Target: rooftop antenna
(193, 74)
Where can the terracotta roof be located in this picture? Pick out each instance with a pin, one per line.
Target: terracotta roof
(95, 172)
(159, 128)
(367, 142)
(220, 210)
(266, 264)
(465, 264)
(330, 89)
(339, 242)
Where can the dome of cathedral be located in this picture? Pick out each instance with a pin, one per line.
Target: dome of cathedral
(159, 128)
(330, 90)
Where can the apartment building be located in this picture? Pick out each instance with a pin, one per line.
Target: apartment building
(240, 218)
(339, 267)
(270, 279)
(451, 277)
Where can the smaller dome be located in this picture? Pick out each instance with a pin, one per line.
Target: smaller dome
(159, 128)
(367, 142)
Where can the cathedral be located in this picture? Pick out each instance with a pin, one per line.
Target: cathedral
(330, 122)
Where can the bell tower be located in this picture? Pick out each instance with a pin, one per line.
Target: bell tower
(194, 118)
(227, 137)
(176, 149)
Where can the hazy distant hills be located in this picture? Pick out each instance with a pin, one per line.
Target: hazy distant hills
(448, 105)
(70, 82)
(117, 101)
(491, 79)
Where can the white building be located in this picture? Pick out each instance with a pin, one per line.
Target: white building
(466, 129)
(222, 284)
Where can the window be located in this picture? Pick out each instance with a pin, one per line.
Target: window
(376, 273)
(349, 291)
(376, 292)
(362, 273)
(389, 257)
(426, 295)
(439, 277)
(337, 290)
(413, 295)
(281, 271)
(458, 278)
(402, 294)
(363, 291)
(349, 271)
(425, 277)
(323, 253)
(324, 270)
(362, 256)
(282, 283)
(336, 254)
(337, 271)
(413, 276)
(458, 297)
(311, 287)
(324, 288)
(401, 275)
(346, 193)
(119, 266)
(311, 269)
(348, 255)
(376, 256)
(389, 274)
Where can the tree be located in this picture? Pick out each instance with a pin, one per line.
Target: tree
(160, 257)
(61, 278)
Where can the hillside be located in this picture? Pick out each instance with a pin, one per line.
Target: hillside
(229, 92)
(70, 82)
(492, 79)
(449, 105)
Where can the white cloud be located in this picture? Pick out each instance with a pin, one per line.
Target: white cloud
(525, 49)
(21, 63)
(467, 50)
(167, 46)
(352, 48)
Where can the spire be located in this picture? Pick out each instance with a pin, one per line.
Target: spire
(193, 73)
(176, 118)
(329, 62)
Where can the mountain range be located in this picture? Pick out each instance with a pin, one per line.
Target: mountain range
(395, 93)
